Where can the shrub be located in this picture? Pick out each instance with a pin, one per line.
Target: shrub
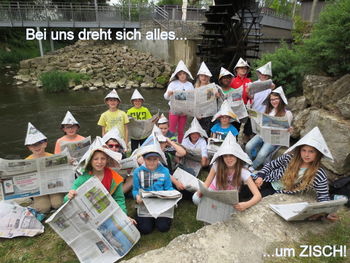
(58, 81)
(163, 80)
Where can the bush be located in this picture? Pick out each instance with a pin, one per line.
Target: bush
(163, 80)
(58, 81)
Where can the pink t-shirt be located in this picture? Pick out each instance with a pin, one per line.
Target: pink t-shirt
(64, 139)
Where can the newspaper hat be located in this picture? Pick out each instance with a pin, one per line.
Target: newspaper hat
(69, 119)
(157, 133)
(225, 110)
(33, 135)
(180, 67)
(280, 91)
(114, 134)
(315, 139)
(99, 145)
(113, 95)
(152, 147)
(224, 72)
(230, 146)
(203, 70)
(136, 95)
(241, 64)
(266, 69)
(162, 119)
(196, 127)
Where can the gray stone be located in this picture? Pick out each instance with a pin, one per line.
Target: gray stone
(344, 106)
(314, 88)
(296, 104)
(38, 84)
(98, 83)
(79, 87)
(93, 88)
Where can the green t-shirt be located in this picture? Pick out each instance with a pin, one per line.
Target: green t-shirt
(141, 113)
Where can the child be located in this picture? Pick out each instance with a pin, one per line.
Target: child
(70, 128)
(276, 106)
(178, 81)
(114, 116)
(226, 116)
(299, 169)
(163, 125)
(37, 143)
(194, 140)
(227, 173)
(138, 112)
(225, 79)
(151, 176)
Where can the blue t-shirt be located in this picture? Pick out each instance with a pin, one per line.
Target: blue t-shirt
(221, 133)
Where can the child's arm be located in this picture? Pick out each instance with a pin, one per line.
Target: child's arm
(57, 147)
(241, 206)
(136, 187)
(119, 198)
(103, 131)
(179, 150)
(210, 177)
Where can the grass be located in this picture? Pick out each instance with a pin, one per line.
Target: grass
(58, 81)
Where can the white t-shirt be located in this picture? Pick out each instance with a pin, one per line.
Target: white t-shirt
(289, 115)
(201, 144)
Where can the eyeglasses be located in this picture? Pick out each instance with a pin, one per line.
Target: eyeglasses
(113, 146)
(276, 99)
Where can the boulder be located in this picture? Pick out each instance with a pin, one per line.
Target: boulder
(343, 106)
(79, 87)
(296, 104)
(93, 88)
(98, 83)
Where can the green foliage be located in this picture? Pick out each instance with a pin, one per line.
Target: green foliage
(300, 29)
(169, 2)
(281, 7)
(162, 80)
(58, 81)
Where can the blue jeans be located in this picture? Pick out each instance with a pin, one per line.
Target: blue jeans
(258, 150)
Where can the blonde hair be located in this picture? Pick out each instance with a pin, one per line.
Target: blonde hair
(292, 171)
(221, 174)
(198, 82)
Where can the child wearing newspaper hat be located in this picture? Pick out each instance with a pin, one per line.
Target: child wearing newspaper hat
(37, 143)
(114, 117)
(227, 173)
(256, 148)
(70, 127)
(163, 125)
(299, 169)
(225, 78)
(178, 81)
(225, 116)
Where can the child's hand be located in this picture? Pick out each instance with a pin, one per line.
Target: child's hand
(139, 199)
(170, 93)
(290, 129)
(179, 186)
(217, 94)
(71, 194)
(259, 182)
(241, 206)
(199, 194)
(332, 217)
(133, 221)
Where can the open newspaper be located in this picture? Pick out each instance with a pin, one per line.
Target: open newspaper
(273, 130)
(190, 182)
(18, 221)
(42, 176)
(158, 203)
(257, 86)
(77, 149)
(140, 129)
(303, 210)
(127, 165)
(214, 145)
(94, 225)
(199, 103)
(234, 97)
(216, 206)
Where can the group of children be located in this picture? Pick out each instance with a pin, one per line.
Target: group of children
(231, 167)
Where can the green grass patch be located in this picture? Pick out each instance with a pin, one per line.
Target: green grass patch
(162, 80)
(58, 81)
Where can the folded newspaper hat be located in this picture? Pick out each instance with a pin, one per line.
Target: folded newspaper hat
(203, 70)
(230, 146)
(114, 134)
(315, 139)
(99, 145)
(162, 119)
(225, 110)
(113, 95)
(280, 91)
(136, 95)
(152, 147)
(224, 72)
(180, 67)
(69, 120)
(157, 133)
(241, 64)
(265, 69)
(33, 135)
(196, 127)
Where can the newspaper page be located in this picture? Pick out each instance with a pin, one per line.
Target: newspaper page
(216, 206)
(257, 86)
(190, 182)
(94, 225)
(127, 165)
(18, 221)
(214, 145)
(199, 103)
(196, 166)
(304, 210)
(77, 149)
(42, 176)
(159, 202)
(140, 129)
(234, 97)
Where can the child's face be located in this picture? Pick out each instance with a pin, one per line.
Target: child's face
(194, 137)
(242, 71)
(204, 79)
(137, 103)
(226, 81)
(98, 161)
(182, 76)
(112, 103)
(113, 145)
(308, 154)
(225, 120)
(275, 100)
(70, 129)
(263, 77)
(151, 162)
(164, 127)
(230, 160)
(38, 148)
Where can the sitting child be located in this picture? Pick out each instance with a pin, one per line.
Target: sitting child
(163, 125)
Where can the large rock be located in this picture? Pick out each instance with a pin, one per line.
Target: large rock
(343, 106)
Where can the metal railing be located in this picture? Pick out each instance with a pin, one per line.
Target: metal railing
(193, 13)
(160, 16)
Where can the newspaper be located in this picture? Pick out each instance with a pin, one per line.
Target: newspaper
(234, 97)
(94, 225)
(213, 146)
(77, 149)
(196, 166)
(127, 165)
(257, 86)
(158, 203)
(42, 176)
(216, 206)
(303, 210)
(190, 182)
(18, 221)
(273, 130)
(140, 129)
(200, 102)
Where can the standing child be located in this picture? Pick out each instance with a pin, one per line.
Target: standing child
(227, 173)
(276, 106)
(70, 127)
(178, 81)
(37, 143)
(225, 79)
(138, 112)
(114, 116)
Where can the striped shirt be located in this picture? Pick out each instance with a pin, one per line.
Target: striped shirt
(274, 171)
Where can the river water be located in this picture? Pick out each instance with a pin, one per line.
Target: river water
(18, 106)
